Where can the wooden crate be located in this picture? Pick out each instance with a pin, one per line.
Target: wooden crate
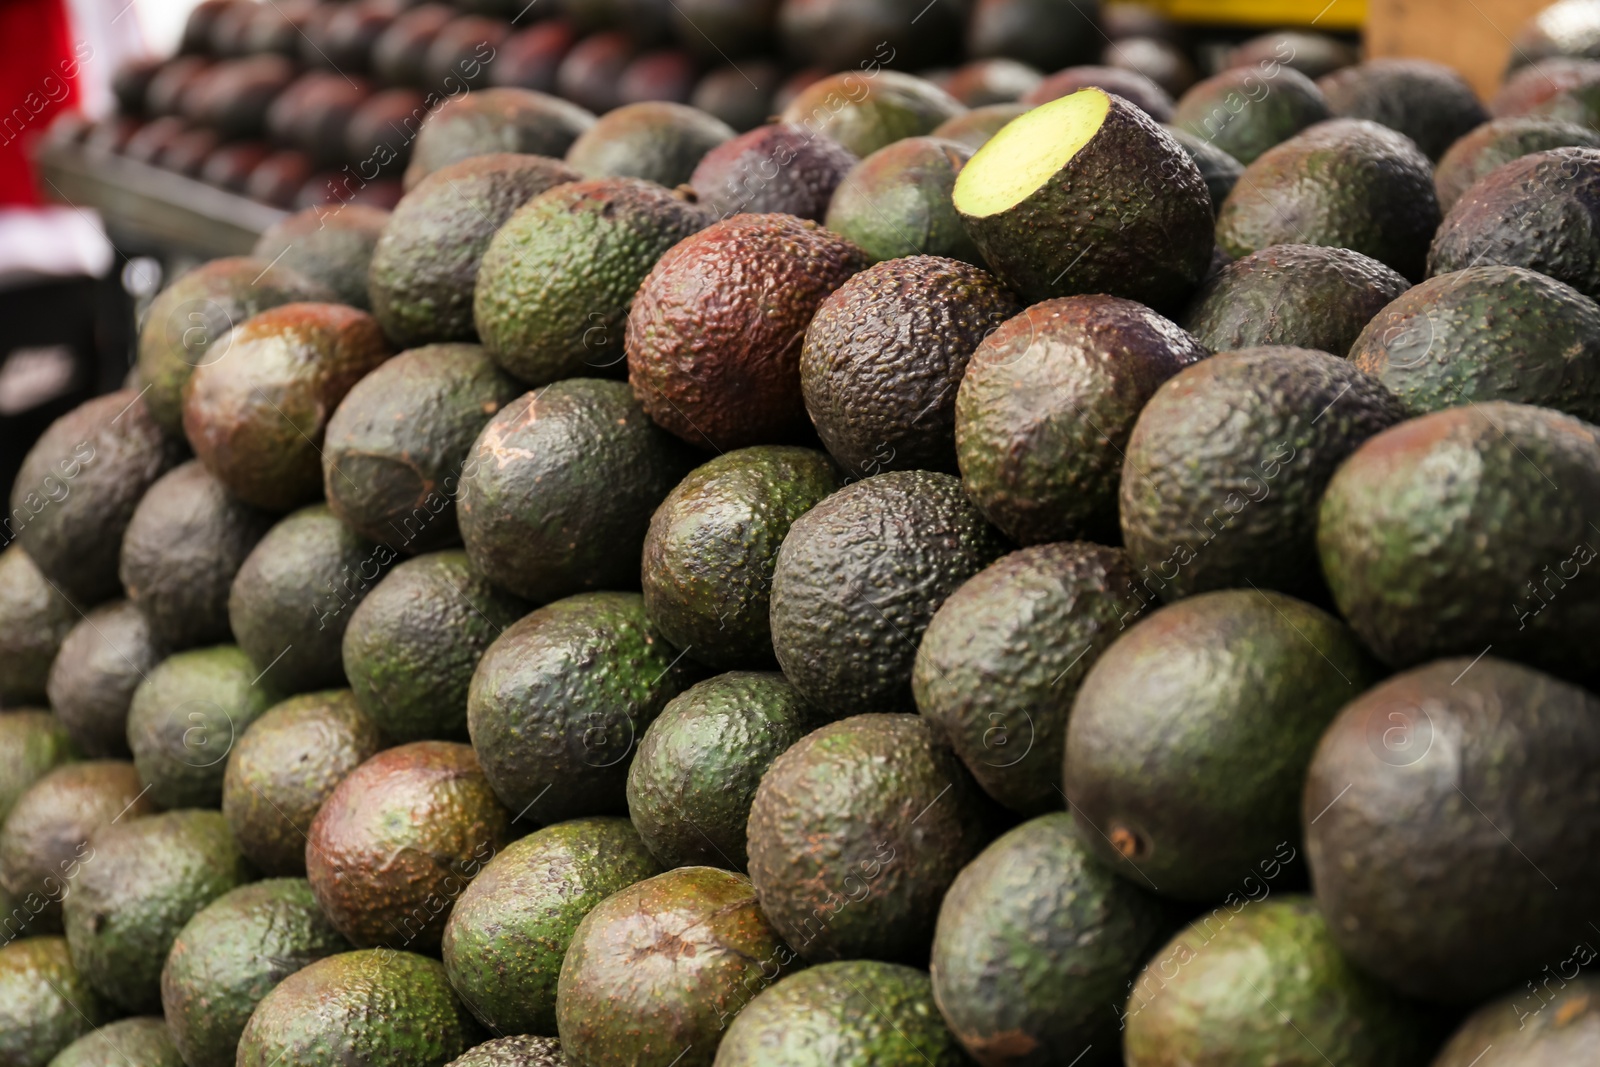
(1473, 36)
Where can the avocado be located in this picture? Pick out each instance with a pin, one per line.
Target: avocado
(1428, 102)
(77, 488)
(1035, 201)
(1536, 212)
(1569, 1032)
(394, 447)
(865, 111)
(1163, 62)
(35, 617)
(1313, 54)
(194, 314)
(32, 743)
(284, 766)
(896, 202)
(1569, 28)
(522, 1050)
(257, 420)
(148, 876)
(858, 578)
(655, 971)
(1135, 88)
(507, 934)
(555, 742)
(1526, 87)
(1487, 333)
(142, 1041)
(426, 262)
(1035, 946)
(399, 838)
(490, 121)
(1233, 987)
(984, 82)
(1218, 170)
(774, 168)
(1228, 461)
(1244, 110)
(186, 541)
(1302, 296)
(853, 1013)
(331, 247)
(294, 594)
(1432, 772)
(1425, 566)
(1499, 142)
(368, 1007)
(589, 72)
(695, 773)
(839, 34)
(718, 28)
(1344, 183)
(557, 492)
(1168, 715)
(1047, 34)
(1002, 658)
(230, 955)
(1046, 407)
(45, 1004)
(558, 278)
(44, 840)
(712, 546)
(656, 140)
(93, 677)
(741, 96)
(972, 129)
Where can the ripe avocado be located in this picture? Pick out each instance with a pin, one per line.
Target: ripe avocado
(1312, 54)
(558, 278)
(522, 1050)
(1035, 201)
(772, 168)
(1045, 33)
(142, 1041)
(1498, 142)
(1227, 464)
(1046, 407)
(858, 578)
(230, 955)
(741, 96)
(1035, 945)
(1163, 62)
(1244, 111)
(896, 202)
(981, 82)
(656, 140)
(1002, 659)
(32, 743)
(399, 839)
(1218, 170)
(655, 971)
(93, 677)
(45, 1004)
(491, 121)
(1527, 88)
(1428, 102)
(973, 129)
(331, 247)
(35, 617)
(1169, 714)
(1434, 856)
(864, 112)
(713, 544)
(1138, 90)
(1569, 1032)
(509, 931)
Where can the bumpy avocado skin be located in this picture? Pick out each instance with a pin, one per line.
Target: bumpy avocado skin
(32, 742)
(523, 1050)
(142, 1041)
(866, 113)
(1036, 942)
(858, 578)
(230, 955)
(1046, 407)
(1218, 170)
(1246, 110)
(497, 119)
(34, 619)
(776, 167)
(1565, 1028)
(656, 140)
(333, 248)
(1428, 102)
(93, 677)
(45, 1004)
(853, 1013)
(713, 544)
(896, 202)
(1497, 143)
(507, 934)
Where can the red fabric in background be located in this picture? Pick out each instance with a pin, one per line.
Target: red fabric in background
(38, 78)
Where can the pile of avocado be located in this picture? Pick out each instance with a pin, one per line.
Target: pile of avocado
(1011, 601)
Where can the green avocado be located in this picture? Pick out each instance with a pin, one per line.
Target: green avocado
(333, 248)
(776, 167)
(32, 743)
(656, 140)
(1218, 170)
(1428, 102)
(35, 617)
(1563, 1027)
(974, 128)
(523, 1050)
(896, 202)
(45, 1004)
(866, 112)
(492, 120)
(1246, 110)
(92, 679)
(1497, 143)
(142, 1041)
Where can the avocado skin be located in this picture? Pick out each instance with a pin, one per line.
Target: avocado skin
(695, 773)
(856, 831)
(1303, 296)
(866, 113)
(1428, 102)
(148, 876)
(1228, 462)
(1563, 1029)
(1168, 715)
(657, 140)
(1042, 398)
(896, 202)
(413, 642)
(858, 578)
(713, 544)
(1291, 102)
(776, 167)
(974, 128)
(294, 594)
(1036, 940)
(185, 542)
(193, 314)
(1498, 142)
(557, 492)
(523, 1050)
(654, 971)
(78, 486)
(34, 619)
(395, 445)
(45, 1004)
(373, 1006)
(285, 766)
(1527, 86)
(1419, 883)
(1002, 659)
(884, 356)
(94, 675)
(853, 1013)
(32, 743)
(425, 265)
(1131, 85)
(507, 934)
(1282, 950)
(1537, 212)
(1436, 539)
(558, 278)
(230, 955)
(333, 248)
(1312, 54)
(398, 840)
(1344, 183)
(491, 120)
(1218, 170)
(142, 1041)
(554, 741)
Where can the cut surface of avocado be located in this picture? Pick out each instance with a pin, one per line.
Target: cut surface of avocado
(1028, 151)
